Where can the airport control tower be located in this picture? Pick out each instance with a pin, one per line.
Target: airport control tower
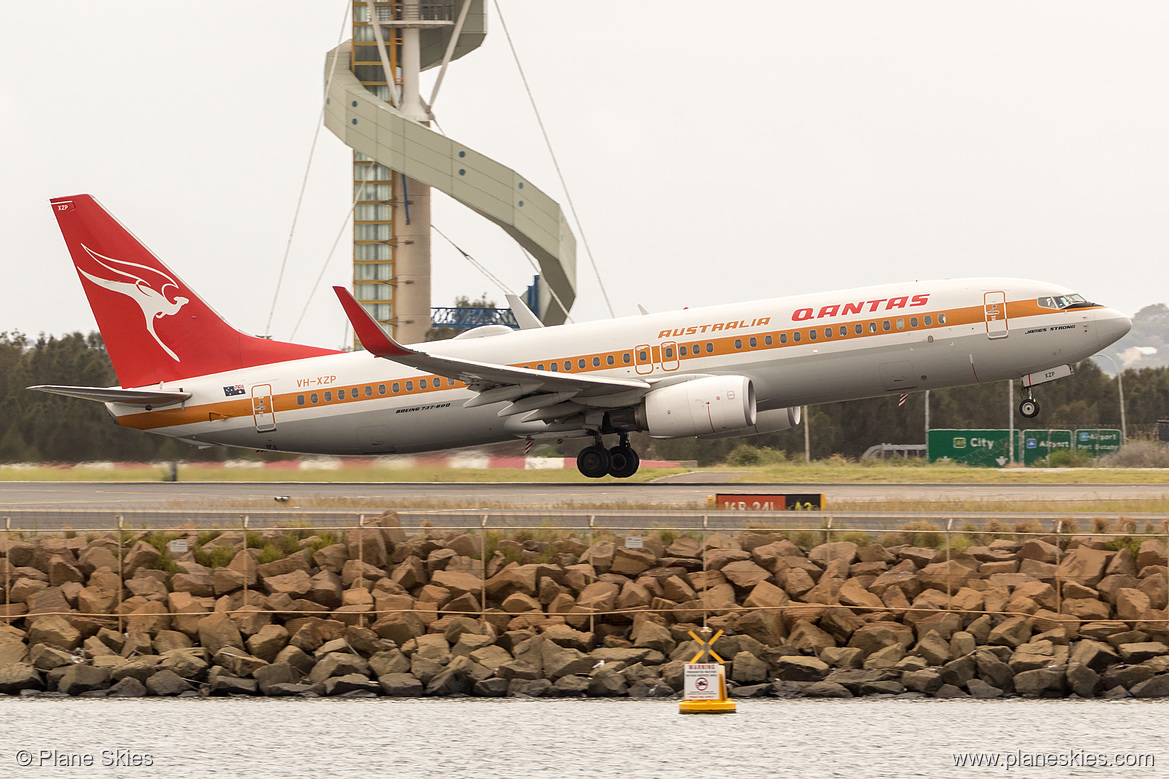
(375, 105)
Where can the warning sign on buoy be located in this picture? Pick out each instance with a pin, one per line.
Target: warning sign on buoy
(705, 680)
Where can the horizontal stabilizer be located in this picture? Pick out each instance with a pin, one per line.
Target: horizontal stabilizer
(130, 397)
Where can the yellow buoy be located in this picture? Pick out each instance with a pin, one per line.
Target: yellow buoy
(706, 680)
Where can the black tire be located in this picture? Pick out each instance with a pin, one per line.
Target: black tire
(1029, 408)
(623, 462)
(593, 461)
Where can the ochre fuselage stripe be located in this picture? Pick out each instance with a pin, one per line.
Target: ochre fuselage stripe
(721, 346)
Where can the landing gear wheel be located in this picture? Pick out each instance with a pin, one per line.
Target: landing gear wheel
(1029, 408)
(623, 462)
(593, 461)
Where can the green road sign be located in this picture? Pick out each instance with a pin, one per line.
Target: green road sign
(1035, 446)
(983, 448)
(1097, 441)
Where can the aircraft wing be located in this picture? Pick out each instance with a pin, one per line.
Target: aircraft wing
(557, 395)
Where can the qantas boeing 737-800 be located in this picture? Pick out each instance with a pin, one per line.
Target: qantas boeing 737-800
(729, 370)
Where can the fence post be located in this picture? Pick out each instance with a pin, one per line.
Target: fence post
(121, 572)
(949, 573)
(483, 567)
(593, 575)
(705, 579)
(1058, 560)
(360, 562)
(244, 525)
(7, 571)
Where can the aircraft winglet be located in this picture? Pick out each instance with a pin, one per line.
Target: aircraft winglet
(369, 332)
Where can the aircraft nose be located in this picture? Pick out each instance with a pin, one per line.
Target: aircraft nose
(1111, 326)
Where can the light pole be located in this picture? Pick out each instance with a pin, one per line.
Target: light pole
(1120, 389)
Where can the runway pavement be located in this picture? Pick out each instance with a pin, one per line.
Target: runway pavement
(227, 495)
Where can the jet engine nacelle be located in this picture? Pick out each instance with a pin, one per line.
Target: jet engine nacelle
(707, 406)
(765, 422)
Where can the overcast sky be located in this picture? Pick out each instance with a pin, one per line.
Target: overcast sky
(715, 152)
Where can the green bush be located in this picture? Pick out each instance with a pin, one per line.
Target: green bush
(1066, 458)
(214, 556)
(745, 455)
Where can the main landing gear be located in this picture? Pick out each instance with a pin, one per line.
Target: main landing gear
(596, 461)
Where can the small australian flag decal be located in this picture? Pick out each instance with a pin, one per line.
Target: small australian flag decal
(238, 389)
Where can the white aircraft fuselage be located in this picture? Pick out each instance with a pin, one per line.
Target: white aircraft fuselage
(719, 371)
(389, 408)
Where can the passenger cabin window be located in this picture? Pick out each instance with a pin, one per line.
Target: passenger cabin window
(381, 389)
(568, 365)
(340, 394)
(929, 320)
(369, 392)
(796, 336)
(859, 329)
(783, 338)
(300, 400)
(396, 388)
(409, 386)
(872, 327)
(609, 358)
(312, 398)
(738, 343)
(422, 384)
(580, 363)
(811, 335)
(827, 332)
(900, 324)
(767, 340)
(643, 355)
(328, 397)
(709, 347)
(913, 321)
(682, 351)
(753, 342)
(885, 325)
(941, 319)
(843, 330)
(669, 350)
(625, 357)
(596, 362)
(553, 366)
(540, 367)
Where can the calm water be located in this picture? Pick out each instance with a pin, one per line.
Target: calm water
(572, 738)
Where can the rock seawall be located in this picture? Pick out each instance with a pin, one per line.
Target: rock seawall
(381, 613)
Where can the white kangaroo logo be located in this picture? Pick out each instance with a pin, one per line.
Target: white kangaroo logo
(154, 302)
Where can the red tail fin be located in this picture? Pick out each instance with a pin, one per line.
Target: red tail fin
(155, 328)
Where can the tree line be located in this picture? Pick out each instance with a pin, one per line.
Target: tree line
(37, 427)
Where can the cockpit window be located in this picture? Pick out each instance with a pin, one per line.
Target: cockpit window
(1060, 302)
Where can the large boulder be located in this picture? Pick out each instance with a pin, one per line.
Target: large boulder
(54, 631)
(83, 678)
(217, 631)
(18, 677)
(1083, 565)
(166, 683)
(400, 685)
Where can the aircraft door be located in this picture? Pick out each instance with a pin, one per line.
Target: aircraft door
(669, 360)
(263, 408)
(643, 359)
(994, 305)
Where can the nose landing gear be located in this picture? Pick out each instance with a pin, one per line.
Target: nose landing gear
(1029, 408)
(596, 461)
